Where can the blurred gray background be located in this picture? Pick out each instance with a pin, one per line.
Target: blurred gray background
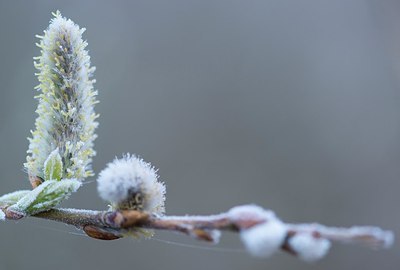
(293, 105)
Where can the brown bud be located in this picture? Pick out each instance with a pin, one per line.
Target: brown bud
(99, 233)
(35, 181)
(13, 215)
(203, 235)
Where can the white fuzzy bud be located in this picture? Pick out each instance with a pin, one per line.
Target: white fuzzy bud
(264, 239)
(308, 247)
(131, 183)
(66, 119)
(261, 232)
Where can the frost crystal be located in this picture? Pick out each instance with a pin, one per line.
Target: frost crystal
(13, 197)
(46, 196)
(53, 167)
(66, 119)
(131, 183)
(309, 247)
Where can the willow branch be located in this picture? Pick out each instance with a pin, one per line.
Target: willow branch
(109, 225)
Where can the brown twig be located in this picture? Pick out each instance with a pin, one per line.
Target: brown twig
(110, 225)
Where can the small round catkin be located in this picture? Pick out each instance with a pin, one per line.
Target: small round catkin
(131, 183)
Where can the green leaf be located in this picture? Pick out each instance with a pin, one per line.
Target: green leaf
(46, 196)
(53, 167)
(13, 197)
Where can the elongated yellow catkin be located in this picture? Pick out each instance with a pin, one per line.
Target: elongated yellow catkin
(66, 118)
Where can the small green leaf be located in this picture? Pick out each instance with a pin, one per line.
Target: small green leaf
(13, 197)
(46, 196)
(53, 167)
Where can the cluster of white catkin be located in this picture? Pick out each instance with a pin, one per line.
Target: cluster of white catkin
(267, 238)
(309, 242)
(66, 119)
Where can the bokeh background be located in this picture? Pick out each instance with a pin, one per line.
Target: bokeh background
(293, 105)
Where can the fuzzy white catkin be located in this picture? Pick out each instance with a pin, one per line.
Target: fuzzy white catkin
(66, 118)
(131, 175)
(308, 247)
(264, 239)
